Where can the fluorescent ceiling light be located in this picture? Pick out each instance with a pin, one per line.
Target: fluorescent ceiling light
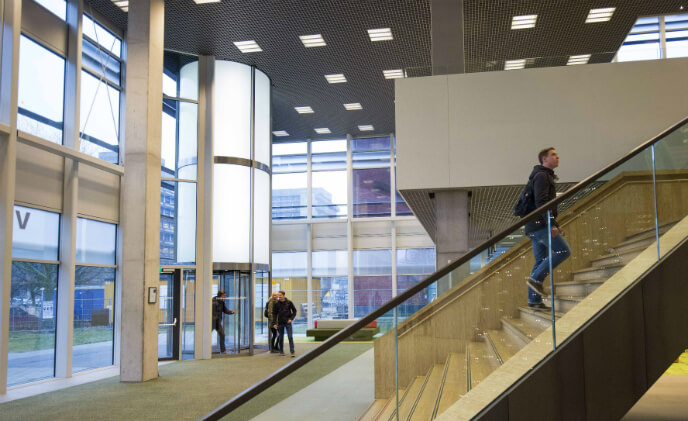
(336, 78)
(312, 40)
(523, 22)
(366, 128)
(304, 110)
(280, 133)
(580, 59)
(380, 34)
(600, 15)
(206, 1)
(323, 130)
(393, 74)
(515, 64)
(122, 4)
(353, 106)
(248, 46)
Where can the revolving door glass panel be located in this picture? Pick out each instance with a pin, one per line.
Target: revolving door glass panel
(262, 294)
(237, 287)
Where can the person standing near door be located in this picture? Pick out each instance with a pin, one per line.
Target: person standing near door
(285, 312)
(219, 308)
(269, 313)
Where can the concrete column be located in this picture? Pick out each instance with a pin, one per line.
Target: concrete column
(451, 239)
(204, 209)
(140, 209)
(9, 76)
(66, 276)
(447, 36)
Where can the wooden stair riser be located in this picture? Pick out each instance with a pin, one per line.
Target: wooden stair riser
(543, 319)
(630, 245)
(621, 258)
(561, 305)
(582, 289)
(593, 275)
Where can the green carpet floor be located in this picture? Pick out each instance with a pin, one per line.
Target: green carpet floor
(184, 391)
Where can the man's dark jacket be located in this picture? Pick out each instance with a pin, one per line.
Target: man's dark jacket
(219, 307)
(284, 311)
(544, 190)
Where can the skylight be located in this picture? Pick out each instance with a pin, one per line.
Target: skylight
(579, 59)
(380, 34)
(600, 15)
(515, 64)
(393, 74)
(322, 130)
(353, 106)
(280, 133)
(366, 128)
(304, 110)
(523, 22)
(248, 46)
(336, 78)
(310, 41)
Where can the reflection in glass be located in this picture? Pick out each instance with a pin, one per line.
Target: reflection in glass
(289, 196)
(372, 192)
(101, 63)
(177, 223)
(41, 91)
(35, 234)
(102, 36)
(32, 322)
(188, 313)
(370, 292)
(179, 139)
(330, 284)
(94, 309)
(329, 195)
(289, 275)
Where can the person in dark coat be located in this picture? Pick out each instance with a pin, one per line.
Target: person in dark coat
(219, 308)
(270, 314)
(284, 315)
(544, 190)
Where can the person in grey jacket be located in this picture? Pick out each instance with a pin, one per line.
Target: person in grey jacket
(544, 190)
(284, 315)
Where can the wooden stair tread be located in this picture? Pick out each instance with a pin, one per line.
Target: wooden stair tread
(374, 410)
(651, 231)
(505, 346)
(596, 268)
(572, 283)
(545, 314)
(454, 386)
(616, 254)
(482, 362)
(428, 398)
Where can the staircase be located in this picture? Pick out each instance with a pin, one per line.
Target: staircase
(428, 396)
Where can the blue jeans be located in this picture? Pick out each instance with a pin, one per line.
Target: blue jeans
(560, 252)
(280, 341)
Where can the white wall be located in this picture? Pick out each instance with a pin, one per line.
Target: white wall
(485, 129)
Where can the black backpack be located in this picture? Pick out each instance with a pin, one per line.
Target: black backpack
(526, 202)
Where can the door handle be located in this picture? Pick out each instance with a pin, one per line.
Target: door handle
(169, 324)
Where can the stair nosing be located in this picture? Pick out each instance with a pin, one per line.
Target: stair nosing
(629, 251)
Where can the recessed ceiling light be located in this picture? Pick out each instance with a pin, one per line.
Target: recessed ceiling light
(304, 110)
(515, 64)
(322, 130)
(248, 46)
(280, 133)
(366, 128)
(380, 34)
(579, 59)
(600, 15)
(393, 74)
(353, 106)
(122, 4)
(523, 22)
(206, 1)
(312, 40)
(336, 78)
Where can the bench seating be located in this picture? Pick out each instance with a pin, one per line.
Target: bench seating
(326, 328)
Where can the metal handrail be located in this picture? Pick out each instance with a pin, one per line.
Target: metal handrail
(333, 340)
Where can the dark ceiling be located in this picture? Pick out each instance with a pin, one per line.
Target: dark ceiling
(298, 73)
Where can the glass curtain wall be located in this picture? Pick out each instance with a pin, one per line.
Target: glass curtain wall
(94, 295)
(179, 151)
(101, 89)
(656, 37)
(33, 302)
(352, 268)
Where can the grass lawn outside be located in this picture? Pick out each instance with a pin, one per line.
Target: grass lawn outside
(25, 341)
